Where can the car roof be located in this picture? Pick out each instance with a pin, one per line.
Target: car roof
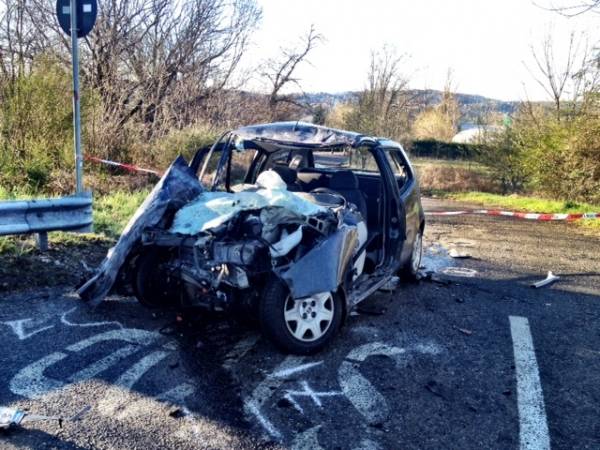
(301, 134)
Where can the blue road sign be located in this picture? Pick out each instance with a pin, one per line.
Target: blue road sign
(87, 10)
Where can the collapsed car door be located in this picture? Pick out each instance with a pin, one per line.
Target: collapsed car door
(409, 193)
(394, 211)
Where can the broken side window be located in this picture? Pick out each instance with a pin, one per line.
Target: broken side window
(240, 163)
(353, 158)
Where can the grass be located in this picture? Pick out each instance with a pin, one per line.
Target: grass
(452, 175)
(529, 204)
(113, 211)
(475, 166)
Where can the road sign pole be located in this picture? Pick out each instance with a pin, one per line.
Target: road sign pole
(76, 102)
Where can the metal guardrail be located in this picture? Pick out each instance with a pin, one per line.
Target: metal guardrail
(72, 213)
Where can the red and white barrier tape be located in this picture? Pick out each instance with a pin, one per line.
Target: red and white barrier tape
(519, 215)
(128, 167)
(487, 212)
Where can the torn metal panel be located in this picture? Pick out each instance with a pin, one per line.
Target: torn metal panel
(177, 187)
(15, 417)
(322, 268)
(286, 243)
(10, 416)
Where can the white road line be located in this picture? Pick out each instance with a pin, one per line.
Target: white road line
(533, 427)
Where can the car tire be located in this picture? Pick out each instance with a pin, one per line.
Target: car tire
(276, 320)
(411, 269)
(150, 287)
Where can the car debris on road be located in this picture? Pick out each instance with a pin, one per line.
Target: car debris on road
(14, 417)
(453, 253)
(550, 278)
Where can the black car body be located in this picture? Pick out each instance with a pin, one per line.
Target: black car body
(290, 221)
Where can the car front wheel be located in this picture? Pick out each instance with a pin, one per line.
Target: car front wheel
(301, 326)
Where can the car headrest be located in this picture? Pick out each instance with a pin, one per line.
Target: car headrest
(343, 179)
(288, 175)
(297, 162)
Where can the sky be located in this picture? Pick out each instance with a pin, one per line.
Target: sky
(486, 44)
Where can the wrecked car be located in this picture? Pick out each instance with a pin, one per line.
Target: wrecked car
(290, 222)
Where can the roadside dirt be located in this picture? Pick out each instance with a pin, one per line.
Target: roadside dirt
(65, 263)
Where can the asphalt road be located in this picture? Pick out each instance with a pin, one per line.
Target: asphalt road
(472, 359)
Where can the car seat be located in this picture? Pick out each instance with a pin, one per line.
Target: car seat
(345, 183)
(289, 176)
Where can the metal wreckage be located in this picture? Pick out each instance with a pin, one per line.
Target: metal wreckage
(264, 245)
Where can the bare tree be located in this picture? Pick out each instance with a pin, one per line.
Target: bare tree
(383, 107)
(19, 42)
(281, 71)
(157, 61)
(570, 77)
(572, 9)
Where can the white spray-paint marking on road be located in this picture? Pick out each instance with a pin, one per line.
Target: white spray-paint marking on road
(24, 328)
(367, 444)
(307, 391)
(359, 391)
(284, 373)
(130, 335)
(263, 392)
(178, 394)
(137, 371)
(307, 440)
(30, 381)
(251, 407)
(19, 327)
(65, 321)
(116, 404)
(533, 427)
(102, 364)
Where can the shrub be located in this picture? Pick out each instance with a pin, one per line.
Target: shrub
(431, 148)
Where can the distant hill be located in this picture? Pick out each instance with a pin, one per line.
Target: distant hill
(471, 106)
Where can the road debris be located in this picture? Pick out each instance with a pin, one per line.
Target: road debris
(464, 331)
(15, 417)
(550, 278)
(453, 253)
(391, 285)
(459, 272)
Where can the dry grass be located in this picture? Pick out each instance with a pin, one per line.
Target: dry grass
(453, 178)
